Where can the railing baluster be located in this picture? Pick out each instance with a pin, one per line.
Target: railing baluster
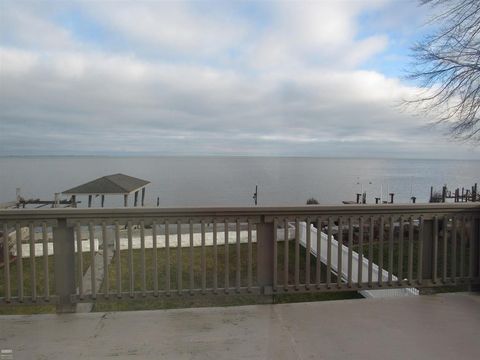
(297, 254)
(400, 250)
(435, 250)
(453, 275)
(179, 257)
(130, 259)
(476, 231)
(410, 251)
(444, 249)
(238, 263)
(285, 254)
(190, 266)
(462, 249)
(203, 260)
(471, 248)
(381, 234)
(307, 253)
(215, 257)
(33, 276)
(143, 267)
(118, 270)
(250, 258)
(6, 264)
(340, 252)
(391, 235)
(318, 262)
(155, 257)
(91, 234)
(420, 251)
(45, 262)
(79, 260)
(350, 250)
(370, 251)
(105, 259)
(18, 234)
(167, 260)
(275, 254)
(360, 253)
(227, 255)
(329, 254)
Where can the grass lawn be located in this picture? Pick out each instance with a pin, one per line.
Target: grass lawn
(175, 301)
(413, 252)
(18, 309)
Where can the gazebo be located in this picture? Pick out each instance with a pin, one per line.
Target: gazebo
(116, 184)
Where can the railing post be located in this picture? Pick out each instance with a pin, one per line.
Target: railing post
(64, 266)
(265, 257)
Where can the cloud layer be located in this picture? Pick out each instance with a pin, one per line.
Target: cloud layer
(165, 78)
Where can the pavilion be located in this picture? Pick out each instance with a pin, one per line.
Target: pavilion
(116, 184)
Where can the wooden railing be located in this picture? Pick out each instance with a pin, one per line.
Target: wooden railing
(82, 255)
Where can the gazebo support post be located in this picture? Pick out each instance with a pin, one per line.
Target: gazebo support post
(103, 200)
(136, 199)
(125, 200)
(73, 201)
(89, 200)
(143, 196)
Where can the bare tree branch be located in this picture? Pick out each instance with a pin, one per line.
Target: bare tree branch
(447, 65)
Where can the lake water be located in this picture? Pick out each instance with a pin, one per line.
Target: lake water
(230, 181)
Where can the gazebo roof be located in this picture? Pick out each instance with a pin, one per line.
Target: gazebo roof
(110, 184)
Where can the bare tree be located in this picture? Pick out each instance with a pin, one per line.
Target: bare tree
(447, 64)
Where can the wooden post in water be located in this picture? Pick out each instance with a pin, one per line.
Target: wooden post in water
(444, 193)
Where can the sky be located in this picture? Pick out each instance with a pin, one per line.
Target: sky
(231, 78)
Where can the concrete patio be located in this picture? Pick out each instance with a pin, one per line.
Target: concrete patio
(444, 326)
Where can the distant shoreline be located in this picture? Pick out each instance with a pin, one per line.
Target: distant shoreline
(231, 156)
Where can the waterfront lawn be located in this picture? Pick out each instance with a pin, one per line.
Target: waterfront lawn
(175, 301)
(18, 308)
(391, 261)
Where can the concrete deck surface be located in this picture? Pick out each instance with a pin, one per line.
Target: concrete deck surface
(445, 326)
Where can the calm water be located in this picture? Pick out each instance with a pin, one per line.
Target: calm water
(230, 181)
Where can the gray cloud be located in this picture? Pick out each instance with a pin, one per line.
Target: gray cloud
(63, 96)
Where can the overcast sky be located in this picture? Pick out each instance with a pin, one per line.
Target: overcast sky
(317, 78)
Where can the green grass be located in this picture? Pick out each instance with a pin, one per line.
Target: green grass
(175, 301)
(17, 308)
(442, 262)
(183, 301)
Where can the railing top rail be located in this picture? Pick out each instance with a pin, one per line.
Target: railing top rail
(269, 212)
